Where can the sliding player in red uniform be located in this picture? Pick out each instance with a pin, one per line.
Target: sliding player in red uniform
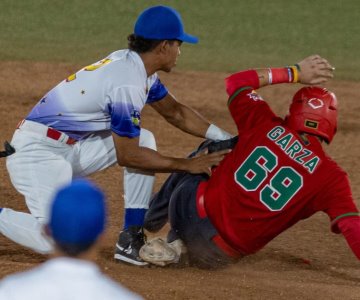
(276, 175)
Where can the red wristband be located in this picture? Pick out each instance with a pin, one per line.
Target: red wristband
(280, 75)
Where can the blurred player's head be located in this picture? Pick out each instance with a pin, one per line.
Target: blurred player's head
(77, 217)
(314, 110)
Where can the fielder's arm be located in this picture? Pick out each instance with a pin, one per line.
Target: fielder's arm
(187, 119)
(130, 154)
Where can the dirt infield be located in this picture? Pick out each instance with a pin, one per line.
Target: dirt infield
(306, 262)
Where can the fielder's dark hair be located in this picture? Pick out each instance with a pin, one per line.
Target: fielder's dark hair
(73, 250)
(140, 45)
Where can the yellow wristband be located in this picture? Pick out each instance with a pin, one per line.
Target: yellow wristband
(295, 73)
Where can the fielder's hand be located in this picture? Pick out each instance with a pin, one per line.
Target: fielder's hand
(203, 162)
(315, 70)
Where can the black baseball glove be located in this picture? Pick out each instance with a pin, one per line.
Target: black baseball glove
(8, 150)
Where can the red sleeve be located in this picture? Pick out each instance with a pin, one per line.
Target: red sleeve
(337, 198)
(247, 108)
(350, 228)
(240, 80)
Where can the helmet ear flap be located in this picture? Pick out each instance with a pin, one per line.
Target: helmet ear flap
(314, 110)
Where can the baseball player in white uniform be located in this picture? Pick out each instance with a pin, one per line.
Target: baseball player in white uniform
(71, 273)
(92, 119)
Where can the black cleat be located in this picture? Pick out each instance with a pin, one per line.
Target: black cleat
(129, 244)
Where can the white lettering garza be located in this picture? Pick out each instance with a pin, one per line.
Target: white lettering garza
(293, 148)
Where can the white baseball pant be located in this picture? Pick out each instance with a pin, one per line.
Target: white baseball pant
(41, 165)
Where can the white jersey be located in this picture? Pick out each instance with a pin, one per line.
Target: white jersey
(61, 279)
(108, 95)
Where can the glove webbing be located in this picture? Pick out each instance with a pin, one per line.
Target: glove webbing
(8, 150)
(215, 146)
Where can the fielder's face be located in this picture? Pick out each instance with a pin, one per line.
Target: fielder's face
(171, 53)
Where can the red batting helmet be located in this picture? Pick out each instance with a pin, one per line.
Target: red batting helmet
(314, 110)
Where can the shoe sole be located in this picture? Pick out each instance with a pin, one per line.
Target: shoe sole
(130, 261)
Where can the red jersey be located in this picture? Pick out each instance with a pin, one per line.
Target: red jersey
(272, 179)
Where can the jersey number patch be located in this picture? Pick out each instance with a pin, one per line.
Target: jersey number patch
(93, 67)
(280, 186)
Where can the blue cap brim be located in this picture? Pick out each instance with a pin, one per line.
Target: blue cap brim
(188, 38)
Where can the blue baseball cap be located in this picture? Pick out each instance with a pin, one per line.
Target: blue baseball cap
(78, 213)
(162, 23)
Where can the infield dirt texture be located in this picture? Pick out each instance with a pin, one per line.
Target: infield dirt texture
(42, 42)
